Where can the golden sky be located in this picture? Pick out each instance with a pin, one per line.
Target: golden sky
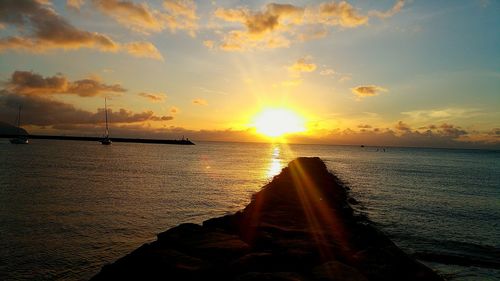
(404, 73)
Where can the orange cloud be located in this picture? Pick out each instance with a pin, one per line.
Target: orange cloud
(178, 15)
(136, 16)
(199, 101)
(367, 91)
(174, 110)
(143, 50)
(279, 25)
(343, 14)
(302, 65)
(74, 4)
(154, 97)
(260, 26)
(209, 44)
(182, 15)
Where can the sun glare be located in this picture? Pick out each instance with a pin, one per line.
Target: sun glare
(277, 122)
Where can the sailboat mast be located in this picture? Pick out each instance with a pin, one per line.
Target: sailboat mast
(19, 117)
(106, 109)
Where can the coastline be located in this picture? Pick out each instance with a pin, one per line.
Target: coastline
(300, 226)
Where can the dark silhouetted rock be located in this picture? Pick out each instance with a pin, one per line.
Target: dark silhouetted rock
(300, 226)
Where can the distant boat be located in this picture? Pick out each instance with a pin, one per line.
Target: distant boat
(19, 139)
(105, 140)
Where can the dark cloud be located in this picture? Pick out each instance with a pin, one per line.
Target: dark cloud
(364, 126)
(43, 29)
(48, 28)
(91, 87)
(40, 111)
(27, 82)
(401, 126)
(451, 130)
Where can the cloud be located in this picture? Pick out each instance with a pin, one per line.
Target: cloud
(174, 110)
(302, 65)
(345, 77)
(45, 115)
(74, 4)
(143, 50)
(451, 130)
(154, 97)
(182, 15)
(367, 90)
(312, 33)
(442, 114)
(43, 29)
(30, 83)
(445, 135)
(444, 130)
(280, 25)
(49, 30)
(199, 101)
(136, 16)
(209, 44)
(370, 137)
(177, 15)
(260, 26)
(343, 14)
(259, 22)
(364, 126)
(327, 72)
(401, 126)
(391, 12)
(42, 111)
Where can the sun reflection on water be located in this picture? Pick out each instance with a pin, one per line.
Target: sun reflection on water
(276, 163)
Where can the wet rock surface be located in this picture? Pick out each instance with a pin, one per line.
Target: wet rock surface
(300, 226)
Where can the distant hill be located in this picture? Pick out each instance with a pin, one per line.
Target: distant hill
(8, 129)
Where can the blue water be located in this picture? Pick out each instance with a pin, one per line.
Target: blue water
(68, 207)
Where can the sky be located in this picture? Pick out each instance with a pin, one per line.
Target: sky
(385, 73)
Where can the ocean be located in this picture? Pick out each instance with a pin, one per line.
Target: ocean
(69, 207)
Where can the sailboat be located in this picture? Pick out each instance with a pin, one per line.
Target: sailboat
(20, 139)
(105, 140)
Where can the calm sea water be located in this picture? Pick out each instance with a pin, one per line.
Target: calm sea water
(67, 207)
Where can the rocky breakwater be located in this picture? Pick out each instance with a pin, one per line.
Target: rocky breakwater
(300, 226)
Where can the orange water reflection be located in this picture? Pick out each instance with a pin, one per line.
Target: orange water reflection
(276, 163)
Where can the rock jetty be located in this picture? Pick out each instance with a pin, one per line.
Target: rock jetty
(300, 226)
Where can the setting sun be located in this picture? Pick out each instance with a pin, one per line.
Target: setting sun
(276, 122)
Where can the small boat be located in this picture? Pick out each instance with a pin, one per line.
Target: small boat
(106, 140)
(20, 139)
